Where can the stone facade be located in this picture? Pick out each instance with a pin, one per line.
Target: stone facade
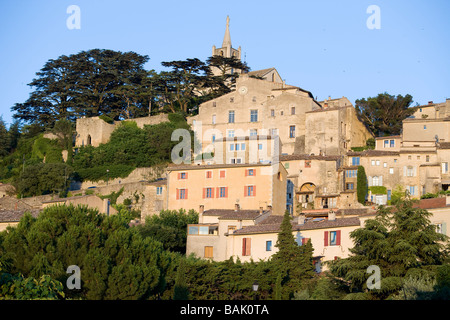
(95, 131)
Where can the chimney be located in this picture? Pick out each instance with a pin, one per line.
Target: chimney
(301, 219)
(201, 209)
(430, 102)
(236, 207)
(331, 215)
(447, 199)
(260, 210)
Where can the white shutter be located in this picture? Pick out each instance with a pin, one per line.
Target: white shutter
(380, 180)
(370, 181)
(414, 171)
(404, 171)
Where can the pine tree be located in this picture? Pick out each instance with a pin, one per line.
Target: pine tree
(400, 240)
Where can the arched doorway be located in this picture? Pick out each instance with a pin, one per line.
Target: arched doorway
(306, 195)
(89, 140)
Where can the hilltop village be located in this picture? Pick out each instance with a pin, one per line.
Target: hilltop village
(275, 149)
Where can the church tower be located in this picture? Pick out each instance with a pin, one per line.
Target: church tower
(227, 50)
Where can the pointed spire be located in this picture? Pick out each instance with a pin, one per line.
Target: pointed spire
(227, 37)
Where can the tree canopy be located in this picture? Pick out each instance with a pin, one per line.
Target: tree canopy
(384, 113)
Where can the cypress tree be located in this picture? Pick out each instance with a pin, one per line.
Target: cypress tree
(361, 187)
(292, 262)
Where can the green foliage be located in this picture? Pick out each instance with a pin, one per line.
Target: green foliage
(169, 227)
(100, 173)
(361, 185)
(44, 178)
(116, 262)
(107, 119)
(401, 241)
(129, 147)
(378, 189)
(113, 196)
(384, 113)
(19, 288)
(293, 262)
(181, 291)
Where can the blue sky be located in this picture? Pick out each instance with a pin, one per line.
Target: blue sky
(322, 46)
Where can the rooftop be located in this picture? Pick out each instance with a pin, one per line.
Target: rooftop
(16, 215)
(274, 227)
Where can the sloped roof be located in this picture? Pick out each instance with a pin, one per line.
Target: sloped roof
(16, 215)
(309, 225)
(230, 214)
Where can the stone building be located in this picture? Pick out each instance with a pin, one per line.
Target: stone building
(95, 131)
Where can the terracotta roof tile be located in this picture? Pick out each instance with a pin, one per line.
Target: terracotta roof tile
(309, 225)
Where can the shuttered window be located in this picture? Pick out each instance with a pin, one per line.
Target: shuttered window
(246, 246)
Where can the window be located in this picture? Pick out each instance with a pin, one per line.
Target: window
(208, 193)
(250, 191)
(230, 134)
(208, 252)
(350, 173)
(250, 172)
(260, 146)
(213, 137)
(424, 127)
(231, 229)
(349, 186)
(355, 161)
(208, 174)
(441, 228)
(386, 143)
(373, 162)
(427, 158)
(307, 163)
(412, 190)
(391, 170)
(409, 157)
(182, 194)
(389, 194)
(292, 110)
(214, 119)
(286, 165)
(292, 132)
(376, 181)
(232, 147)
(235, 160)
(158, 190)
(182, 175)
(253, 115)
(384, 164)
(274, 132)
(231, 116)
(272, 112)
(392, 143)
(444, 167)
(332, 238)
(410, 171)
(242, 146)
(269, 245)
(246, 246)
(223, 192)
(222, 174)
(377, 162)
(253, 132)
(232, 99)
